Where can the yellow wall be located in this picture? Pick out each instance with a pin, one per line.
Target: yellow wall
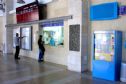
(57, 8)
(117, 24)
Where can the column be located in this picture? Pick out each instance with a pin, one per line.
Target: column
(8, 32)
(78, 36)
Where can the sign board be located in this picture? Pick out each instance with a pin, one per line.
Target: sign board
(122, 10)
(30, 12)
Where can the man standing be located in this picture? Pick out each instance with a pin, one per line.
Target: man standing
(17, 44)
(41, 49)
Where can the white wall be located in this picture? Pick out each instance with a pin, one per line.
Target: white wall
(61, 55)
(1, 32)
(34, 52)
(52, 54)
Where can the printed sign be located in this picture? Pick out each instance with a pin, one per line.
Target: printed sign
(122, 10)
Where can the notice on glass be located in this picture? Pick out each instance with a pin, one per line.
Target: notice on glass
(26, 38)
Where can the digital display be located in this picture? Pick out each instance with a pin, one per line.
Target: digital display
(26, 13)
(53, 35)
(31, 12)
(104, 47)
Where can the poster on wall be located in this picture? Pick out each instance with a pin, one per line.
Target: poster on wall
(74, 37)
(104, 47)
(26, 42)
(53, 35)
(16, 30)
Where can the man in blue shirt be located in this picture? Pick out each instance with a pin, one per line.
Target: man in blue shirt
(41, 49)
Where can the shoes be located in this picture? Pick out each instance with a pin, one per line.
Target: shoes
(17, 58)
(40, 60)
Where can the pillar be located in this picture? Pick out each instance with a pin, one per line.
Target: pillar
(78, 36)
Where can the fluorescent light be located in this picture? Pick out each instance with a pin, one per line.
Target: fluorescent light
(44, 1)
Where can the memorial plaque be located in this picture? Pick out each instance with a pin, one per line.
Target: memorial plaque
(74, 38)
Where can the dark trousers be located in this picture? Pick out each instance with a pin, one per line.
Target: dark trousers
(17, 52)
(41, 55)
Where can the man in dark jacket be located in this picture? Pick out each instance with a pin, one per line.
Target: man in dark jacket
(41, 49)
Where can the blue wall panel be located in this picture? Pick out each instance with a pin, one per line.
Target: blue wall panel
(106, 11)
(109, 70)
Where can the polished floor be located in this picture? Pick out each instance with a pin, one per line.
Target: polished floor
(29, 71)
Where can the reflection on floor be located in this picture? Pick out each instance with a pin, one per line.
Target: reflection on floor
(29, 71)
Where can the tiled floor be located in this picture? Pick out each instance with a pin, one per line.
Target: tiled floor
(29, 71)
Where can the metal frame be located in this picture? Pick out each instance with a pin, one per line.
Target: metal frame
(40, 21)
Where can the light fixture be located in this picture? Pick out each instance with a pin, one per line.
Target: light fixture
(20, 1)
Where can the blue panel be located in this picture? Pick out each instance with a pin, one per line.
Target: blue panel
(106, 11)
(125, 44)
(103, 69)
(109, 70)
(118, 54)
